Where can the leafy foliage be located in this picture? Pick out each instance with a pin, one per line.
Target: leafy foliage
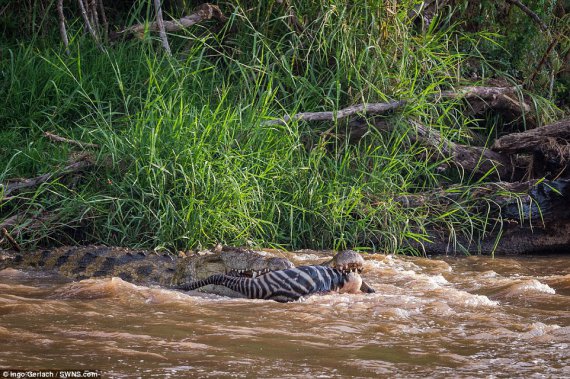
(186, 158)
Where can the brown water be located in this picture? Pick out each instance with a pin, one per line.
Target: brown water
(466, 317)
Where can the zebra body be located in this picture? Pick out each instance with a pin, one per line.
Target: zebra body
(285, 285)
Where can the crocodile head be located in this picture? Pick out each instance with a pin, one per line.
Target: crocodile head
(347, 261)
(235, 262)
(231, 261)
(352, 264)
(250, 263)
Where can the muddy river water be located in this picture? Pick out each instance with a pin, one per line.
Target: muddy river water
(439, 317)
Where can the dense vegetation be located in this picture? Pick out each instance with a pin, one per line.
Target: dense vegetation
(186, 158)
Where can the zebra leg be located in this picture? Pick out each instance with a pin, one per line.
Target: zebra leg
(366, 288)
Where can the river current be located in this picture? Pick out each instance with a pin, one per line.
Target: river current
(440, 317)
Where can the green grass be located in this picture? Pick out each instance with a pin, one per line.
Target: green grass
(186, 158)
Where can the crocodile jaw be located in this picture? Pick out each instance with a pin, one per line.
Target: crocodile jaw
(347, 261)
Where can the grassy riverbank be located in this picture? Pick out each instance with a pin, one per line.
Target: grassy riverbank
(185, 156)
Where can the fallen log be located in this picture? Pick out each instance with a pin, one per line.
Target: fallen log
(500, 192)
(56, 138)
(479, 97)
(531, 140)
(203, 12)
(550, 238)
(473, 159)
(537, 220)
(549, 146)
(74, 167)
(504, 99)
(24, 222)
(369, 108)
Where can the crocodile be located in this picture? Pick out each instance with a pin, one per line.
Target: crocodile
(341, 274)
(149, 267)
(143, 266)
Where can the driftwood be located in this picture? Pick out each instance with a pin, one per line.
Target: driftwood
(12, 220)
(56, 138)
(499, 192)
(501, 98)
(74, 167)
(548, 145)
(538, 138)
(25, 222)
(203, 12)
(475, 160)
(472, 159)
(536, 220)
(370, 108)
(498, 98)
(498, 162)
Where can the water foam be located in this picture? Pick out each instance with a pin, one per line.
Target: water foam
(531, 285)
(475, 301)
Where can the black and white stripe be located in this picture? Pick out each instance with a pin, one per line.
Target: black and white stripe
(282, 286)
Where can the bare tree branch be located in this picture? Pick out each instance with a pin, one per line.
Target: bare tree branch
(453, 193)
(9, 188)
(473, 159)
(103, 18)
(491, 97)
(529, 13)
(544, 57)
(57, 138)
(62, 29)
(160, 24)
(87, 22)
(11, 240)
(93, 13)
(203, 12)
(370, 108)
